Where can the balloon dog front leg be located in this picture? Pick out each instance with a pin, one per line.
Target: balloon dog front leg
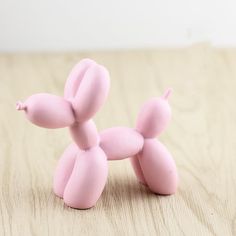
(87, 180)
(81, 175)
(64, 169)
(88, 177)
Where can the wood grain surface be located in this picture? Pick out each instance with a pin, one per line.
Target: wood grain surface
(201, 137)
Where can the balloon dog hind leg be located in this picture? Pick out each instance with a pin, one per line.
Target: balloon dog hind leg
(154, 164)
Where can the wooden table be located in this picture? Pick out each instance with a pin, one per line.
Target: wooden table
(201, 137)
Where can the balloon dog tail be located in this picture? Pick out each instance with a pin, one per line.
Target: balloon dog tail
(154, 116)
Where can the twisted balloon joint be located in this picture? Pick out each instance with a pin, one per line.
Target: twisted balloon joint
(82, 170)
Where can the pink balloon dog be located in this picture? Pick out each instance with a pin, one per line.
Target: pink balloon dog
(82, 171)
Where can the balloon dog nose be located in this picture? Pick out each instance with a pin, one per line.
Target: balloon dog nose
(20, 106)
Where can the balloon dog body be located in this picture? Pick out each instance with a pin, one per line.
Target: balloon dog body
(82, 171)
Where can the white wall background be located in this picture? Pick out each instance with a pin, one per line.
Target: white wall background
(36, 25)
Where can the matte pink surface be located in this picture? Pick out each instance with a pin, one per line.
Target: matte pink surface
(158, 167)
(137, 169)
(48, 111)
(92, 92)
(85, 134)
(154, 116)
(87, 179)
(64, 169)
(82, 170)
(120, 142)
(75, 77)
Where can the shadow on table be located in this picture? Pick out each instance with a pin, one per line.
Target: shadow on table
(121, 192)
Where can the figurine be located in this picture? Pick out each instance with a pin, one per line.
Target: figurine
(82, 170)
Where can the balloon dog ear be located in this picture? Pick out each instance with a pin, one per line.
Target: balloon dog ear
(75, 77)
(91, 93)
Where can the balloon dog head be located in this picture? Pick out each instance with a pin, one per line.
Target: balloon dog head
(86, 90)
